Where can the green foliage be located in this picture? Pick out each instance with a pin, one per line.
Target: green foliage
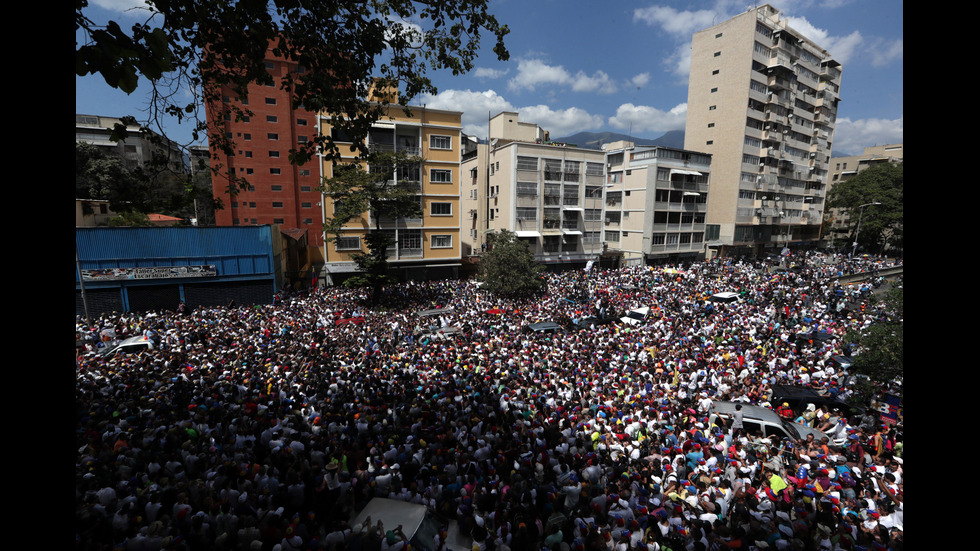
(508, 267)
(207, 47)
(356, 191)
(881, 345)
(130, 218)
(153, 188)
(881, 225)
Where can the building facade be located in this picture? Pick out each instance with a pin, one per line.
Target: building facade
(138, 148)
(422, 248)
(762, 101)
(837, 222)
(656, 201)
(549, 194)
(277, 192)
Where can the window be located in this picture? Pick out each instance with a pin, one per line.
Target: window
(278, 220)
(274, 154)
(302, 139)
(306, 205)
(271, 118)
(307, 221)
(270, 64)
(251, 204)
(304, 172)
(711, 125)
(712, 107)
(718, 35)
(612, 236)
(249, 171)
(300, 122)
(441, 209)
(234, 204)
(275, 171)
(277, 204)
(527, 163)
(441, 241)
(440, 142)
(248, 136)
(270, 101)
(713, 90)
(352, 243)
(709, 142)
(717, 54)
(527, 213)
(276, 188)
(439, 176)
(305, 189)
(715, 72)
(272, 136)
(248, 154)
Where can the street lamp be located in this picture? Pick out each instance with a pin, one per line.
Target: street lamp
(858, 232)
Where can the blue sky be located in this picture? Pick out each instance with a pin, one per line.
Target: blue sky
(621, 66)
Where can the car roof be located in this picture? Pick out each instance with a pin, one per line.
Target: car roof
(393, 513)
(433, 312)
(748, 410)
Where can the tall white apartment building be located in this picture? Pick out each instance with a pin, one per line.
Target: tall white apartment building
(762, 101)
(549, 194)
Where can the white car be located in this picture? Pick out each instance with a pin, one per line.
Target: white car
(637, 316)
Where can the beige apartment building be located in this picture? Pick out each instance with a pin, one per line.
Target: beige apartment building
(762, 101)
(656, 202)
(837, 222)
(422, 248)
(549, 194)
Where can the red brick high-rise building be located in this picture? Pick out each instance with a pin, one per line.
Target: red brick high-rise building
(279, 192)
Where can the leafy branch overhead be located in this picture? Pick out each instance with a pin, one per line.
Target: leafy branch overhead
(206, 47)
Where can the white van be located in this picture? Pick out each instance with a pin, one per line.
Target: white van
(636, 316)
(419, 524)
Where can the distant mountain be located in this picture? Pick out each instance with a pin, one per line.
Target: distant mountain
(594, 140)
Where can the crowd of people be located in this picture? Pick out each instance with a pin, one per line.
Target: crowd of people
(269, 427)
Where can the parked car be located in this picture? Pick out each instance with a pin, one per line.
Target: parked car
(799, 396)
(132, 345)
(762, 421)
(726, 297)
(542, 328)
(418, 524)
(637, 316)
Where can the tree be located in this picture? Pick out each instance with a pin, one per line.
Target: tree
(355, 191)
(144, 189)
(881, 225)
(881, 346)
(508, 267)
(203, 47)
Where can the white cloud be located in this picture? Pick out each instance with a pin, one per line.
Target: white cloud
(851, 137)
(534, 73)
(679, 62)
(640, 80)
(486, 72)
(476, 107)
(884, 52)
(678, 23)
(562, 122)
(643, 118)
(599, 82)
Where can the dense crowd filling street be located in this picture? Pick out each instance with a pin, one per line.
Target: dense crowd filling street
(270, 427)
